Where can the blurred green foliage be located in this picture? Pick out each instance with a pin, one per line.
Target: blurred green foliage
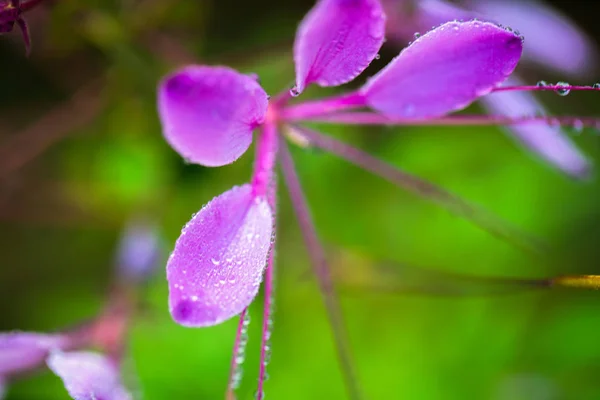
(62, 208)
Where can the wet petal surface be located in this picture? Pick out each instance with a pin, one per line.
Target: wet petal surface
(208, 113)
(553, 40)
(444, 70)
(336, 41)
(217, 266)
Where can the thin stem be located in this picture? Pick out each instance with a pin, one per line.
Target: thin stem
(321, 270)
(403, 279)
(370, 118)
(266, 153)
(327, 105)
(421, 188)
(556, 87)
(239, 348)
(265, 345)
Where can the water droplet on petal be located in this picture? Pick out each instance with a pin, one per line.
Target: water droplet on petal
(542, 84)
(215, 262)
(417, 35)
(294, 92)
(596, 85)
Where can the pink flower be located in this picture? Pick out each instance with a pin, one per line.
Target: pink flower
(209, 113)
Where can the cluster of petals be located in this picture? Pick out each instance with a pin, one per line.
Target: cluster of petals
(209, 113)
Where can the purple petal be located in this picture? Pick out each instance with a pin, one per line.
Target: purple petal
(548, 142)
(436, 12)
(208, 113)
(88, 375)
(552, 39)
(218, 262)
(23, 351)
(444, 70)
(336, 41)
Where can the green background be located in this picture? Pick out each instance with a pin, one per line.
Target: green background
(72, 172)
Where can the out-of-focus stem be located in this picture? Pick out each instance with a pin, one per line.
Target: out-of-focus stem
(322, 272)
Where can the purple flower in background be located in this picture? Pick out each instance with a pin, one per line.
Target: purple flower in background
(88, 375)
(23, 351)
(140, 251)
(209, 113)
(553, 42)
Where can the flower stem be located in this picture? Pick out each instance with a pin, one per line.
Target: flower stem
(327, 105)
(370, 118)
(322, 272)
(265, 345)
(423, 189)
(565, 88)
(239, 348)
(266, 153)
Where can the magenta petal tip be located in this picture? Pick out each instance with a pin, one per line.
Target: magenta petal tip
(336, 41)
(217, 266)
(444, 70)
(208, 113)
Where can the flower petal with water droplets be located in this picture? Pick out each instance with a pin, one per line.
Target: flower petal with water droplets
(208, 113)
(88, 375)
(23, 351)
(548, 142)
(217, 266)
(444, 70)
(336, 41)
(553, 40)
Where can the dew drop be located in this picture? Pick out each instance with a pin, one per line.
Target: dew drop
(563, 91)
(596, 85)
(542, 84)
(294, 92)
(215, 262)
(417, 35)
(377, 56)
